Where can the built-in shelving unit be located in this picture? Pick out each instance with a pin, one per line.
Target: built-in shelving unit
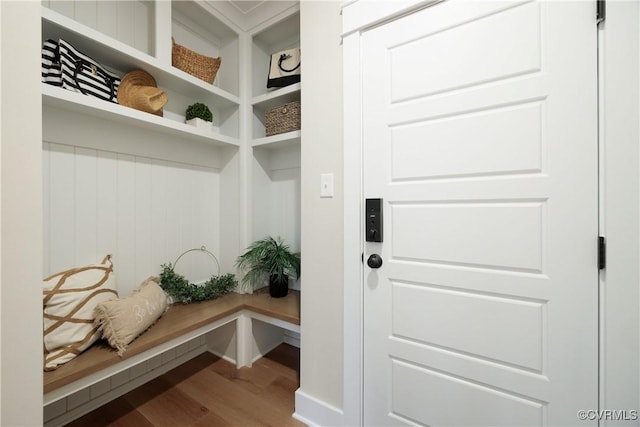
(182, 88)
(144, 187)
(167, 186)
(124, 36)
(276, 158)
(273, 38)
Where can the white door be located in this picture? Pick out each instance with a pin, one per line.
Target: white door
(479, 127)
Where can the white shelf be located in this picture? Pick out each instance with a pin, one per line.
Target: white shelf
(82, 104)
(278, 141)
(277, 97)
(115, 54)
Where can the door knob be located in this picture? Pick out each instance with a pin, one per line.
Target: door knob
(374, 261)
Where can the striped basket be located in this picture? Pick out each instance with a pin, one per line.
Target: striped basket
(201, 66)
(285, 118)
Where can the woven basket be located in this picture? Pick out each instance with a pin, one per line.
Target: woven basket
(284, 118)
(201, 66)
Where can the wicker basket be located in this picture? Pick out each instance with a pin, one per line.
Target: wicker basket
(200, 66)
(284, 118)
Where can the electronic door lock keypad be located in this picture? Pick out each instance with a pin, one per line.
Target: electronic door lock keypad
(373, 220)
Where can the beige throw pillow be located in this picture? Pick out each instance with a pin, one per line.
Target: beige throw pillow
(68, 300)
(122, 320)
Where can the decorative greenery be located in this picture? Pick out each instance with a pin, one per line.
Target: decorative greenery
(179, 288)
(199, 110)
(268, 257)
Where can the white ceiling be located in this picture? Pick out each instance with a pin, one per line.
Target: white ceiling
(248, 14)
(246, 6)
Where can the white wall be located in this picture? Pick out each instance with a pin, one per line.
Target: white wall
(322, 229)
(20, 216)
(145, 210)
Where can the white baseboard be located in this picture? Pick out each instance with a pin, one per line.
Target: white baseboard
(292, 338)
(222, 356)
(314, 412)
(260, 354)
(292, 341)
(114, 393)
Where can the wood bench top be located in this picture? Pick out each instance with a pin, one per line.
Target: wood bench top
(178, 320)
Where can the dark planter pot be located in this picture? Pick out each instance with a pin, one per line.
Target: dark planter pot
(278, 288)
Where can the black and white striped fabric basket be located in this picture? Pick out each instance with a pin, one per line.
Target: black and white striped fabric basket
(51, 69)
(83, 74)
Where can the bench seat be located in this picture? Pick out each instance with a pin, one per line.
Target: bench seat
(179, 320)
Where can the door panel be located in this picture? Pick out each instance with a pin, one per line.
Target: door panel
(487, 42)
(432, 148)
(465, 327)
(494, 235)
(479, 128)
(446, 392)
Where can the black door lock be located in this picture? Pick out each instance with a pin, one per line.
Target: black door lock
(373, 220)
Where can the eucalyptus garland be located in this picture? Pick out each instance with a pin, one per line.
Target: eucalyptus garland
(180, 290)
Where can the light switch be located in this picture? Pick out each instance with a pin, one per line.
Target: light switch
(326, 185)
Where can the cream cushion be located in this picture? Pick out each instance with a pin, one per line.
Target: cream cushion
(122, 320)
(69, 298)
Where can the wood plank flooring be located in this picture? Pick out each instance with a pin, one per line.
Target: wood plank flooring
(208, 391)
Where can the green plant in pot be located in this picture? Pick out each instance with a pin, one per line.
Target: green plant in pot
(269, 258)
(199, 115)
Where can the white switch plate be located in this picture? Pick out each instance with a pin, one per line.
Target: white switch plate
(326, 185)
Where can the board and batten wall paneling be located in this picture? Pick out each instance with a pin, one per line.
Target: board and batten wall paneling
(276, 194)
(143, 211)
(130, 22)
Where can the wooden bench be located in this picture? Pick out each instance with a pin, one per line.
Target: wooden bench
(180, 325)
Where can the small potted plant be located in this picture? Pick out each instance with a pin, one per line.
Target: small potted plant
(269, 258)
(199, 115)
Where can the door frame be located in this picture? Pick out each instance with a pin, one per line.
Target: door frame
(619, 168)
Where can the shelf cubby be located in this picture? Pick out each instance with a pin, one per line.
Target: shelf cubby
(263, 103)
(282, 35)
(196, 27)
(182, 89)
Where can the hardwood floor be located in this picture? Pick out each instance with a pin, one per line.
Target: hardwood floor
(208, 391)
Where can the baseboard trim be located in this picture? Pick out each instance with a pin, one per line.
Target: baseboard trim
(292, 338)
(222, 356)
(260, 355)
(314, 412)
(116, 392)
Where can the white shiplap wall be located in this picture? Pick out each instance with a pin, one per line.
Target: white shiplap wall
(144, 211)
(128, 21)
(276, 194)
(132, 191)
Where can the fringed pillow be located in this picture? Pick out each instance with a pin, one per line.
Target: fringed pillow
(122, 320)
(68, 300)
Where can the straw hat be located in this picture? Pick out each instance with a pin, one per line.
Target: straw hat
(138, 89)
